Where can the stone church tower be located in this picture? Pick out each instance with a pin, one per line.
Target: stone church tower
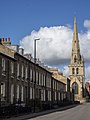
(76, 67)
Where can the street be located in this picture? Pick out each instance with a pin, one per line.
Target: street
(81, 112)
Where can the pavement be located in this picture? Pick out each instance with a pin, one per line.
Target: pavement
(33, 115)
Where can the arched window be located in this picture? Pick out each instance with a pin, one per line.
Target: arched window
(75, 88)
(75, 59)
(73, 70)
(77, 70)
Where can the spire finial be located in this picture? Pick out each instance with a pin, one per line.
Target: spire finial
(74, 19)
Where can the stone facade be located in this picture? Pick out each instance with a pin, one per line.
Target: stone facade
(56, 74)
(76, 67)
(87, 88)
(60, 77)
(23, 82)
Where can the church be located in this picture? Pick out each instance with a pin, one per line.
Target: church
(76, 67)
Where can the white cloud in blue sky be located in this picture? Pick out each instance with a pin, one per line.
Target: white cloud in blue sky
(65, 71)
(54, 47)
(87, 23)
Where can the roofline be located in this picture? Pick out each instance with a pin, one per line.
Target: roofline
(33, 62)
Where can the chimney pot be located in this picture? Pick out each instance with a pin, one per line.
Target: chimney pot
(9, 39)
(2, 40)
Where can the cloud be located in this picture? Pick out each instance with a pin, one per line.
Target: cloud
(85, 44)
(87, 24)
(65, 71)
(54, 46)
(87, 73)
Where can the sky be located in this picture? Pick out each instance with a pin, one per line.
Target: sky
(52, 22)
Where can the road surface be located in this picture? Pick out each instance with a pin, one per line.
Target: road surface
(81, 112)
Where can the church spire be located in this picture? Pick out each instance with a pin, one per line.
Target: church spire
(76, 57)
(75, 35)
(76, 67)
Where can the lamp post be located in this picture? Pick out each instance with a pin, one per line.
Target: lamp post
(35, 72)
(35, 49)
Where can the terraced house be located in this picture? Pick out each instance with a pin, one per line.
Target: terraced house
(23, 82)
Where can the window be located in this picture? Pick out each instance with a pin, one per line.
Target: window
(26, 74)
(21, 93)
(2, 90)
(22, 71)
(17, 70)
(36, 77)
(49, 82)
(49, 95)
(44, 80)
(59, 95)
(12, 93)
(30, 74)
(53, 84)
(75, 59)
(17, 92)
(77, 70)
(55, 95)
(44, 95)
(3, 64)
(39, 78)
(31, 92)
(12, 67)
(75, 88)
(73, 71)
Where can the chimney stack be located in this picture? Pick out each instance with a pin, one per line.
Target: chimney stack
(5, 41)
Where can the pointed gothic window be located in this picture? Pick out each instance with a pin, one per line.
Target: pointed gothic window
(75, 59)
(75, 88)
(73, 70)
(77, 70)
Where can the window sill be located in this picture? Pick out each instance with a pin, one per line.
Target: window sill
(3, 74)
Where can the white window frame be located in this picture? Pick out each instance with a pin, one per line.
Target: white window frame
(49, 95)
(44, 80)
(3, 64)
(36, 77)
(18, 92)
(3, 89)
(26, 73)
(39, 78)
(22, 93)
(18, 72)
(12, 67)
(31, 74)
(22, 71)
(31, 93)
